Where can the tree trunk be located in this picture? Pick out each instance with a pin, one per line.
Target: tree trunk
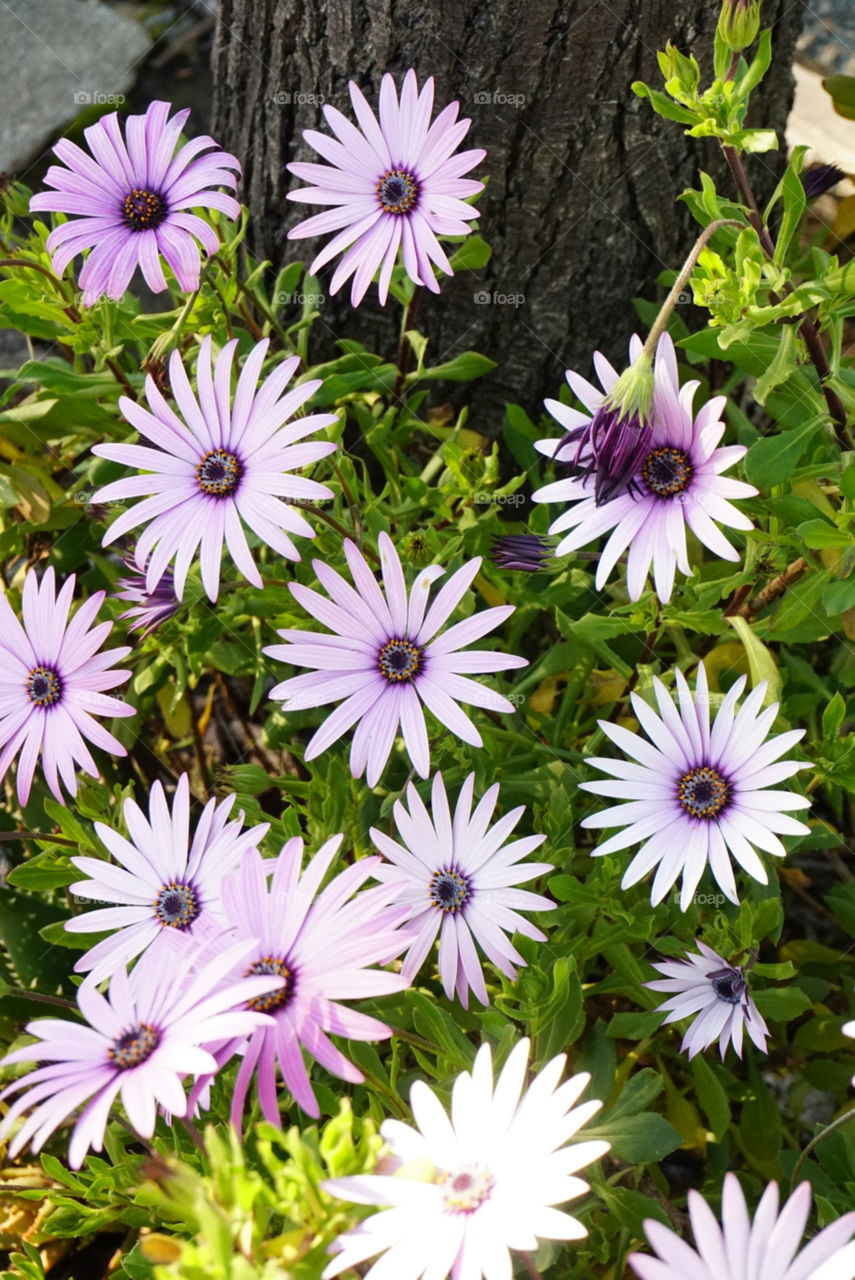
(580, 207)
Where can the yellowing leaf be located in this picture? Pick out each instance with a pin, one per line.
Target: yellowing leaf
(761, 663)
(158, 1248)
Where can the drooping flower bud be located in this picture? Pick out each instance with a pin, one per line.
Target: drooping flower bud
(821, 178)
(524, 551)
(151, 608)
(738, 23)
(612, 447)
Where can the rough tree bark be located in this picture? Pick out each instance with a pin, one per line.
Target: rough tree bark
(580, 207)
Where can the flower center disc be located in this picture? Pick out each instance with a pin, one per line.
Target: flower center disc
(729, 985)
(177, 905)
(703, 792)
(399, 660)
(467, 1189)
(449, 890)
(134, 1046)
(218, 473)
(274, 999)
(397, 191)
(667, 472)
(143, 210)
(43, 686)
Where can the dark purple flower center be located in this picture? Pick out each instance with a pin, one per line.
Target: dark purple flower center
(466, 1190)
(703, 792)
(144, 210)
(397, 191)
(43, 686)
(728, 984)
(177, 905)
(399, 660)
(279, 968)
(449, 890)
(134, 1046)
(218, 473)
(667, 472)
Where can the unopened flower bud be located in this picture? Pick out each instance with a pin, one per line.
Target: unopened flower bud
(738, 23)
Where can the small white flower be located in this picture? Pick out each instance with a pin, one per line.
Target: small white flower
(496, 1168)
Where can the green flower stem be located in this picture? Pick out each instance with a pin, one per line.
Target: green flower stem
(807, 329)
(658, 326)
(817, 1139)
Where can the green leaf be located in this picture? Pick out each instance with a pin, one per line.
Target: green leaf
(773, 459)
(832, 716)
(819, 534)
(839, 596)
(841, 90)
(562, 1017)
(712, 1097)
(782, 1004)
(780, 368)
(463, 368)
(472, 254)
(635, 1025)
(639, 1139)
(662, 105)
(48, 870)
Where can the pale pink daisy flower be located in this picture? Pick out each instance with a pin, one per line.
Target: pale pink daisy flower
(130, 202)
(53, 674)
(696, 794)
(137, 1045)
(224, 464)
(164, 881)
(395, 186)
(458, 874)
(322, 942)
(676, 483)
(766, 1248)
(385, 660)
(704, 984)
(471, 1187)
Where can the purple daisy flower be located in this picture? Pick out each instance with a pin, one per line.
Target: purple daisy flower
(322, 945)
(707, 986)
(151, 608)
(164, 881)
(52, 681)
(677, 482)
(137, 1045)
(396, 185)
(225, 465)
(695, 794)
(471, 1186)
(740, 1249)
(134, 198)
(458, 873)
(384, 661)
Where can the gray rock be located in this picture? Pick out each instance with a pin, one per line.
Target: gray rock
(56, 59)
(827, 42)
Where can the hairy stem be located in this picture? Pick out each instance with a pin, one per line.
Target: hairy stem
(658, 326)
(21, 993)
